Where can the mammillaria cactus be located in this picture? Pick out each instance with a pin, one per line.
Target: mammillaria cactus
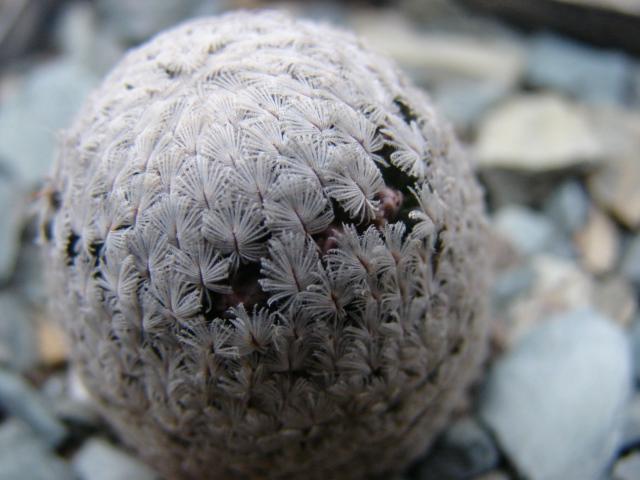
(267, 252)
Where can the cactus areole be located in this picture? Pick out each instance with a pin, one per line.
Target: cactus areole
(268, 253)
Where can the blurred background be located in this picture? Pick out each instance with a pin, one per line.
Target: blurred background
(545, 94)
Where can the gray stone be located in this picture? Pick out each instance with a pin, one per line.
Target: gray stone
(568, 207)
(555, 401)
(615, 188)
(99, 460)
(85, 40)
(631, 425)
(436, 57)
(136, 21)
(18, 344)
(511, 283)
(588, 74)
(630, 266)
(614, 296)
(628, 467)
(464, 103)
(79, 413)
(635, 344)
(52, 94)
(535, 133)
(528, 231)
(24, 402)
(28, 278)
(560, 286)
(10, 221)
(465, 450)
(23, 455)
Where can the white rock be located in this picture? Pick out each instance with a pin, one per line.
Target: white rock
(100, 460)
(536, 133)
(556, 400)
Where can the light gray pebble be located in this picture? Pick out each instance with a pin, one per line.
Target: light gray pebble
(630, 265)
(100, 460)
(631, 425)
(529, 232)
(588, 74)
(24, 402)
(10, 218)
(23, 455)
(635, 346)
(628, 467)
(18, 344)
(30, 120)
(134, 22)
(511, 283)
(464, 103)
(568, 207)
(555, 401)
(465, 450)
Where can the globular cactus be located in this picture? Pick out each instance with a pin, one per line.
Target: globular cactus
(268, 253)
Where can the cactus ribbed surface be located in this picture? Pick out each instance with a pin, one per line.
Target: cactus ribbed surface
(268, 252)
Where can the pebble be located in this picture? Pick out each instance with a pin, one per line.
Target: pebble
(136, 21)
(537, 132)
(80, 36)
(465, 102)
(437, 57)
(598, 242)
(559, 286)
(614, 296)
(511, 283)
(495, 475)
(465, 450)
(10, 219)
(77, 413)
(23, 455)
(631, 429)
(28, 278)
(29, 121)
(615, 187)
(635, 344)
(628, 467)
(17, 334)
(583, 72)
(52, 346)
(568, 206)
(24, 402)
(529, 232)
(100, 460)
(630, 266)
(555, 400)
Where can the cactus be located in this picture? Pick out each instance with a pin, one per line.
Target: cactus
(268, 253)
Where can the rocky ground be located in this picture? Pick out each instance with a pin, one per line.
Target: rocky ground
(554, 126)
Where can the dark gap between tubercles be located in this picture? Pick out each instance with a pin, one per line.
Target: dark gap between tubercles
(245, 290)
(95, 250)
(408, 114)
(438, 248)
(72, 241)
